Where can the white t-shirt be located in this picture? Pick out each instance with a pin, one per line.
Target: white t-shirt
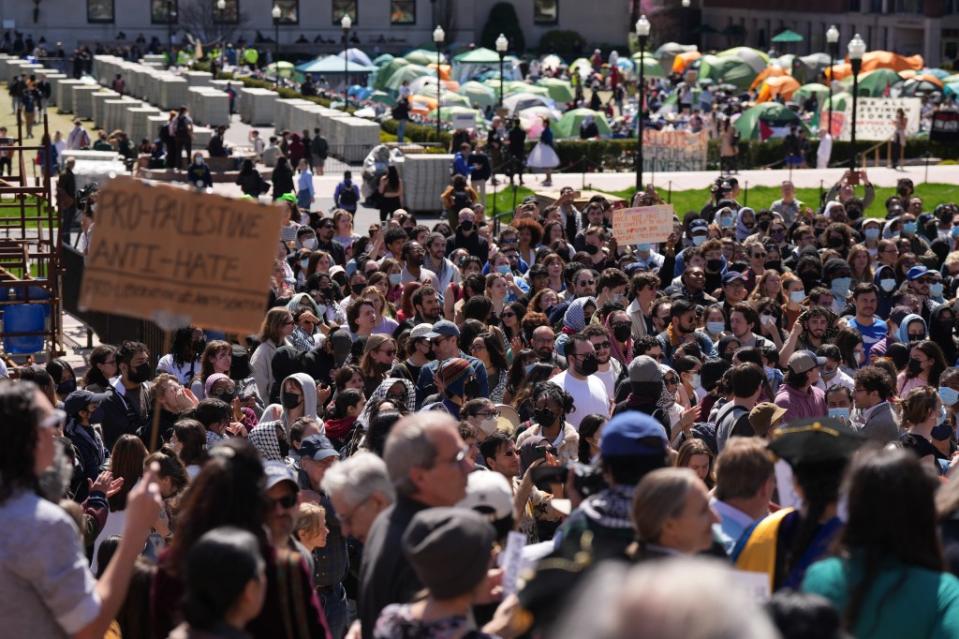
(589, 396)
(609, 378)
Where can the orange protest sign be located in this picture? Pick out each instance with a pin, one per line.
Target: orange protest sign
(160, 252)
(643, 224)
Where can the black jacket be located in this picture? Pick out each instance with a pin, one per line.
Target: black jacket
(386, 576)
(119, 417)
(282, 181)
(473, 243)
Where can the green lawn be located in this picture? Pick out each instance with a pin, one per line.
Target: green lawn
(757, 197)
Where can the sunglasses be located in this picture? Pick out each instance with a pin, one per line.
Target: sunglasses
(586, 282)
(603, 345)
(285, 502)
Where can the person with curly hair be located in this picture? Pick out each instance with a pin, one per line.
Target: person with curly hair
(551, 405)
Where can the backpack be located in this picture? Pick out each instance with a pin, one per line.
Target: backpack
(182, 127)
(348, 195)
(461, 200)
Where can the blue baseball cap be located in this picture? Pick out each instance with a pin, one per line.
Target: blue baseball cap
(698, 225)
(623, 436)
(916, 272)
(732, 276)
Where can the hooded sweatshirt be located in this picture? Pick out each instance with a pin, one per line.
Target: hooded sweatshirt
(904, 327)
(276, 412)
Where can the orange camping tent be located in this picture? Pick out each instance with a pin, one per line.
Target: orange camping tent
(681, 61)
(768, 72)
(784, 85)
(877, 60)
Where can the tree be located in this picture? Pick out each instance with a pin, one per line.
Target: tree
(503, 19)
(198, 18)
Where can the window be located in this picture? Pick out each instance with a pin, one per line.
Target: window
(289, 11)
(402, 11)
(342, 8)
(163, 11)
(230, 13)
(100, 11)
(545, 11)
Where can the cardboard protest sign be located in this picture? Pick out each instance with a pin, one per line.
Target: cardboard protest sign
(876, 118)
(643, 224)
(161, 252)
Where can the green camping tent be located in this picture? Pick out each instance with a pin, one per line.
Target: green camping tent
(651, 67)
(821, 91)
(478, 94)
(477, 56)
(873, 83)
(727, 70)
(423, 57)
(772, 113)
(568, 125)
(559, 90)
(757, 60)
(382, 75)
(405, 74)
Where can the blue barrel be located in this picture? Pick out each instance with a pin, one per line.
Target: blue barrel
(22, 318)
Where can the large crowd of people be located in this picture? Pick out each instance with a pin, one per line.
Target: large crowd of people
(477, 429)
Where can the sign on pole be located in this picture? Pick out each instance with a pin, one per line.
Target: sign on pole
(876, 118)
(643, 224)
(161, 252)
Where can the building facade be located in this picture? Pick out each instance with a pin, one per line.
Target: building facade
(927, 27)
(379, 25)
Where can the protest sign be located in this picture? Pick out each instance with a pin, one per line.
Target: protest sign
(876, 118)
(464, 121)
(643, 224)
(160, 252)
(674, 150)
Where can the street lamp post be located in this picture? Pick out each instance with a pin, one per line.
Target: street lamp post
(221, 7)
(276, 13)
(170, 17)
(502, 46)
(642, 32)
(685, 4)
(438, 36)
(856, 50)
(832, 41)
(346, 23)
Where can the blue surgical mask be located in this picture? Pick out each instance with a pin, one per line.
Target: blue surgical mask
(644, 248)
(909, 228)
(395, 278)
(715, 327)
(503, 269)
(698, 239)
(871, 233)
(954, 231)
(727, 222)
(839, 413)
(694, 381)
(840, 286)
(887, 285)
(797, 296)
(949, 396)
(935, 289)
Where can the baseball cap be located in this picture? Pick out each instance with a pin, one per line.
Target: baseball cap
(446, 328)
(698, 226)
(916, 272)
(489, 494)
(317, 448)
(623, 434)
(732, 276)
(80, 399)
(424, 330)
(802, 361)
(645, 369)
(278, 472)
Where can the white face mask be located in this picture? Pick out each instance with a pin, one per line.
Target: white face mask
(310, 243)
(488, 426)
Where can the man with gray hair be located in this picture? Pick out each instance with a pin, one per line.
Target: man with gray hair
(360, 489)
(428, 463)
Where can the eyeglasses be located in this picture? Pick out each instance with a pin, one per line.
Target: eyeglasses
(55, 420)
(346, 519)
(603, 345)
(285, 502)
(489, 413)
(758, 255)
(586, 283)
(459, 458)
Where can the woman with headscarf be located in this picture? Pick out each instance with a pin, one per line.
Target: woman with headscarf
(400, 391)
(619, 328)
(579, 314)
(942, 326)
(745, 223)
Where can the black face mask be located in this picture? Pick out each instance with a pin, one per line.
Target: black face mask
(466, 227)
(415, 260)
(140, 374)
(775, 265)
(471, 389)
(835, 242)
(591, 249)
(714, 266)
(199, 346)
(622, 332)
(588, 365)
(544, 416)
(67, 387)
(914, 366)
(763, 225)
(289, 400)
(358, 289)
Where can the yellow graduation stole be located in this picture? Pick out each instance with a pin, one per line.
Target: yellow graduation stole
(759, 551)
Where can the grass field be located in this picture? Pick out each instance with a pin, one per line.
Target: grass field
(757, 197)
